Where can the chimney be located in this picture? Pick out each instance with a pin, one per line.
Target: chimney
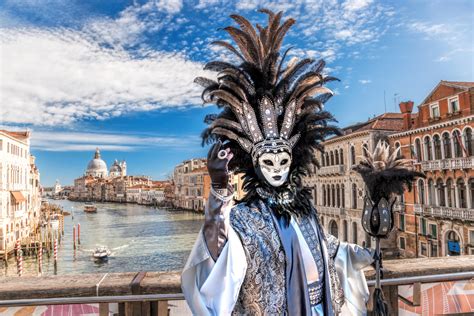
(406, 108)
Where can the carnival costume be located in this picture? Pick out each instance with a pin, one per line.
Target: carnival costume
(268, 253)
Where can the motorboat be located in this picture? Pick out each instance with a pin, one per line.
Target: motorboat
(90, 208)
(101, 253)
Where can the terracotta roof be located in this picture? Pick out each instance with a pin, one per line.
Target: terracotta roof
(386, 122)
(465, 84)
(18, 135)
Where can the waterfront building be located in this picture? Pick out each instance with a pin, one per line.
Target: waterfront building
(192, 184)
(97, 168)
(118, 169)
(20, 190)
(437, 218)
(338, 191)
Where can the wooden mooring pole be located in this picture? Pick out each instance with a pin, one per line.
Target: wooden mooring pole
(74, 236)
(55, 256)
(78, 233)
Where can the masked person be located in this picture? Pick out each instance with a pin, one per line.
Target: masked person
(268, 254)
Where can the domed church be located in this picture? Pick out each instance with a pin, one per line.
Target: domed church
(97, 168)
(118, 169)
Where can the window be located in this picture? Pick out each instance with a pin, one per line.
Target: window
(447, 145)
(333, 195)
(423, 226)
(434, 231)
(469, 142)
(431, 192)
(437, 147)
(336, 154)
(434, 111)
(341, 156)
(428, 149)
(345, 229)
(423, 249)
(457, 144)
(471, 237)
(418, 149)
(401, 221)
(354, 195)
(333, 230)
(343, 193)
(453, 105)
(332, 158)
(470, 188)
(397, 146)
(338, 196)
(354, 232)
(440, 192)
(402, 243)
(434, 250)
(353, 156)
(324, 194)
(461, 193)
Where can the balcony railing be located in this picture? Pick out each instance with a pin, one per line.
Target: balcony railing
(418, 208)
(399, 207)
(448, 164)
(331, 170)
(332, 211)
(449, 212)
(148, 293)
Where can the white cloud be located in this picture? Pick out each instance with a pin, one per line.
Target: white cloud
(355, 5)
(365, 81)
(60, 76)
(429, 30)
(81, 141)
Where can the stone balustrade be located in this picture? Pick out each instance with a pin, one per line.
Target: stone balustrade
(448, 164)
(331, 170)
(331, 211)
(449, 212)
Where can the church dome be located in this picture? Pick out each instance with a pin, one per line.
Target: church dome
(97, 167)
(115, 167)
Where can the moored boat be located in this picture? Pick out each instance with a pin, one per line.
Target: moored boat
(101, 253)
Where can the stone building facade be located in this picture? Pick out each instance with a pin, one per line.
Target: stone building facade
(338, 191)
(191, 184)
(20, 190)
(438, 218)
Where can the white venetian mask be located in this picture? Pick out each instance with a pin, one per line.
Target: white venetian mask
(275, 167)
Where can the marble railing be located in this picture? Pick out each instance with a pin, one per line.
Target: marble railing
(448, 164)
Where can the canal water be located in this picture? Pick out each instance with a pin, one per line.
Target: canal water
(141, 238)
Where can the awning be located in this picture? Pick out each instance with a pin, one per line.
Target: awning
(18, 196)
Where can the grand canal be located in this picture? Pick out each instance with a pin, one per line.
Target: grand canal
(141, 238)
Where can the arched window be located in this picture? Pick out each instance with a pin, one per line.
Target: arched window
(353, 156)
(471, 190)
(428, 149)
(354, 195)
(344, 230)
(332, 158)
(354, 232)
(327, 160)
(333, 230)
(437, 147)
(440, 191)
(341, 156)
(447, 145)
(421, 192)
(323, 161)
(333, 196)
(418, 150)
(462, 193)
(343, 198)
(431, 192)
(457, 144)
(338, 196)
(324, 195)
(336, 154)
(469, 142)
(397, 146)
(449, 193)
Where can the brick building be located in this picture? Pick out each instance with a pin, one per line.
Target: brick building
(438, 217)
(338, 191)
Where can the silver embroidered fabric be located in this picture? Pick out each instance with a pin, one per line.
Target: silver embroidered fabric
(263, 290)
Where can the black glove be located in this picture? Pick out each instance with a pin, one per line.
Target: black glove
(218, 168)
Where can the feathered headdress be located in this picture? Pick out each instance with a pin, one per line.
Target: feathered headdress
(267, 105)
(385, 173)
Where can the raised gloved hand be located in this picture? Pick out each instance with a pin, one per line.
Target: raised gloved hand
(217, 165)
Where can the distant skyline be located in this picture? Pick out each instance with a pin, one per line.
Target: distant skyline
(118, 74)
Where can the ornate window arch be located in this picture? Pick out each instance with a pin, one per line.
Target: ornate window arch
(336, 156)
(418, 151)
(450, 199)
(457, 144)
(462, 193)
(341, 156)
(447, 145)
(421, 192)
(440, 188)
(353, 155)
(468, 141)
(428, 148)
(333, 229)
(354, 196)
(437, 147)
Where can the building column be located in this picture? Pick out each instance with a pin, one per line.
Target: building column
(436, 197)
(446, 195)
(453, 153)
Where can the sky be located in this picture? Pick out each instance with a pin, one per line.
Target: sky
(118, 75)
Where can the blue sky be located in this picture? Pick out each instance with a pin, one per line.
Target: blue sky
(118, 74)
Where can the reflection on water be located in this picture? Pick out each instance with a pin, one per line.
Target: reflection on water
(141, 238)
